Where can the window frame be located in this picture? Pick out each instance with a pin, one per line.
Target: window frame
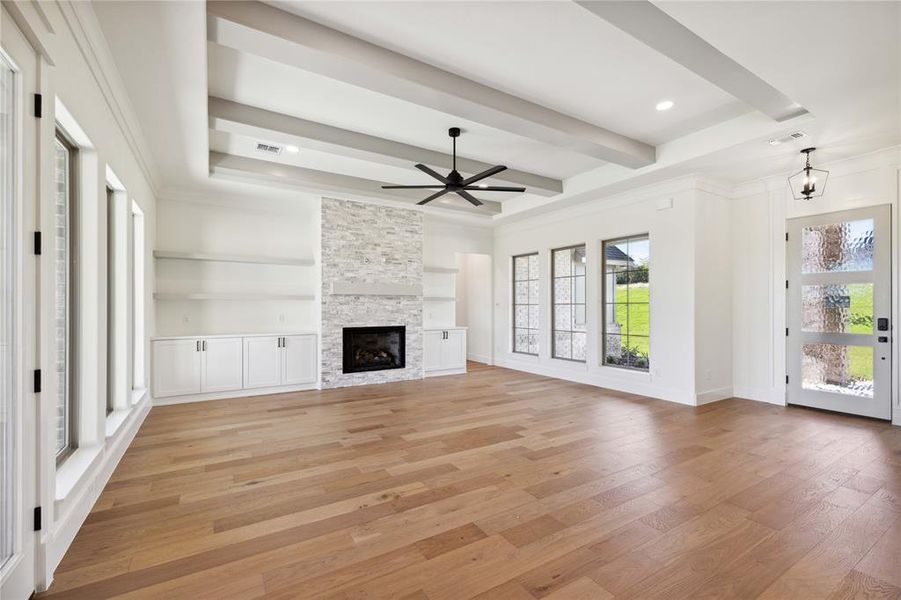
(604, 303)
(72, 274)
(553, 321)
(513, 303)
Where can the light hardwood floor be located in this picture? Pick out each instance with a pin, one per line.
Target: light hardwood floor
(494, 484)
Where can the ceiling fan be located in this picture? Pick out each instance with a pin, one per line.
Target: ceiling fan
(454, 182)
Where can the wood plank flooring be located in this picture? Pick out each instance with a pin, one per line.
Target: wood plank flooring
(493, 484)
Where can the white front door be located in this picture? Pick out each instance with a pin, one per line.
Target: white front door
(18, 424)
(838, 312)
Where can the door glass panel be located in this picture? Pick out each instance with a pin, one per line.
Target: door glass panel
(837, 308)
(846, 246)
(7, 297)
(837, 368)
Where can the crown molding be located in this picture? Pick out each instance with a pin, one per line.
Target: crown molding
(82, 23)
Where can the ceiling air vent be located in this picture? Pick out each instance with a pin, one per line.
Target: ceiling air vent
(268, 148)
(794, 135)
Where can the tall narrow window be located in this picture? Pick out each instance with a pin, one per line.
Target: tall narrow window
(568, 340)
(65, 156)
(627, 296)
(112, 249)
(525, 304)
(138, 385)
(9, 460)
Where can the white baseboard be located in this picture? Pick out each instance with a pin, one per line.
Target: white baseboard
(445, 372)
(713, 396)
(580, 373)
(769, 396)
(284, 389)
(479, 358)
(78, 505)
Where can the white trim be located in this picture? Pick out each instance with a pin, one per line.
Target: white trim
(234, 394)
(479, 358)
(715, 395)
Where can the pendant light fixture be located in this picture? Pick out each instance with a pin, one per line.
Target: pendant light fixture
(808, 182)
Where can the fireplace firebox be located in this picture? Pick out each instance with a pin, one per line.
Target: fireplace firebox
(374, 348)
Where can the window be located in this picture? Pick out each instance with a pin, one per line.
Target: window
(627, 295)
(9, 296)
(65, 268)
(525, 304)
(112, 250)
(136, 375)
(568, 339)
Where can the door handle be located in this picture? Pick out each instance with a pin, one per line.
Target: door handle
(204, 345)
(882, 324)
(198, 345)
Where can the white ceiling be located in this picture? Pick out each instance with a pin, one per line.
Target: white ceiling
(552, 53)
(839, 60)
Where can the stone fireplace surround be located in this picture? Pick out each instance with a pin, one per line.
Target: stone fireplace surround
(371, 277)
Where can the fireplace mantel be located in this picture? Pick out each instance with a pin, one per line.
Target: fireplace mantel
(367, 288)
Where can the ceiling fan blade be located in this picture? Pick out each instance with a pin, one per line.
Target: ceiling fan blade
(434, 174)
(412, 187)
(472, 199)
(495, 188)
(433, 196)
(484, 174)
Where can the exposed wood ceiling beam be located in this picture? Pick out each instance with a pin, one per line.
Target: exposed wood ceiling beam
(266, 31)
(267, 171)
(656, 29)
(232, 117)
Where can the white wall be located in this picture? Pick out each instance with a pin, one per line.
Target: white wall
(758, 215)
(442, 239)
(474, 307)
(274, 224)
(75, 67)
(667, 212)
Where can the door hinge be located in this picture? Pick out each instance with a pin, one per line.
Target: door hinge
(37, 243)
(786, 284)
(38, 105)
(37, 381)
(786, 379)
(786, 236)
(37, 518)
(786, 332)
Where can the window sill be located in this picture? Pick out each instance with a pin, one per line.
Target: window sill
(137, 394)
(625, 372)
(73, 469)
(114, 420)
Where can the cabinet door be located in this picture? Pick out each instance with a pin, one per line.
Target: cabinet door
(176, 367)
(300, 357)
(453, 350)
(432, 347)
(262, 362)
(223, 364)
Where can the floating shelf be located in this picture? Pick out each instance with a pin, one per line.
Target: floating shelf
(440, 270)
(232, 296)
(234, 258)
(439, 299)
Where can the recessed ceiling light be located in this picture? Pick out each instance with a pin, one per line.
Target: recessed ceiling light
(483, 185)
(292, 149)
(664, 105)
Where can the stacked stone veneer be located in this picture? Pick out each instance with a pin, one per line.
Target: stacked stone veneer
(372, 244)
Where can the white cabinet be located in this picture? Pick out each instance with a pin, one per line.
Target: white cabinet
(262, 361)
(217, 364)
(299, 359)
(176, 367)
(282, 360)
(222, 364)
(444, 351)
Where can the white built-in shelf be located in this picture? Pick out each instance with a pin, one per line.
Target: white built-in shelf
(438, 299)
(234, 258)
(231, 296)
(440, 269)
